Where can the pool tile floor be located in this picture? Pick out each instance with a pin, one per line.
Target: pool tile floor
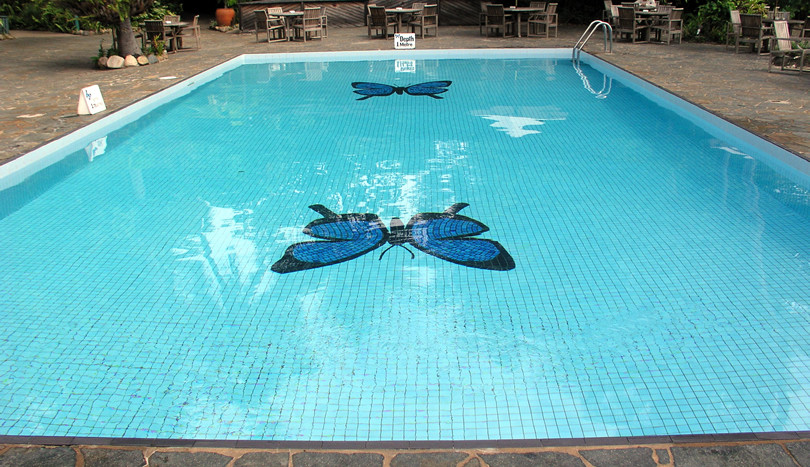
(44, 72)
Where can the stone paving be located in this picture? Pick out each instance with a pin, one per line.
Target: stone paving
(43, 72)
(770, 454)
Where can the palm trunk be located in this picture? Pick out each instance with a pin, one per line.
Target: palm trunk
(127, 45)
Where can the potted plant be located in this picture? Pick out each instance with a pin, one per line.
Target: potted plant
(225, 14)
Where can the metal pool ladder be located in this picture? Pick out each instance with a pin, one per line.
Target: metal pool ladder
(595, 24)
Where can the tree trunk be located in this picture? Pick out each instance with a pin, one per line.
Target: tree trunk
(127, 45)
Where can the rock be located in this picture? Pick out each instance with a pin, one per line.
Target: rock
(142, 60)
(102, 62)
(130, 61)
(115, 61)
(152, 59)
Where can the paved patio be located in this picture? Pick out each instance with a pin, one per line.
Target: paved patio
(43, 73)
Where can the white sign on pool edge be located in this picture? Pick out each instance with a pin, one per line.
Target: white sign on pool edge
(90, 101)
(405, 41)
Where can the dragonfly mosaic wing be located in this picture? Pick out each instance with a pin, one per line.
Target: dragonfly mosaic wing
(344, 237)
(447, 235)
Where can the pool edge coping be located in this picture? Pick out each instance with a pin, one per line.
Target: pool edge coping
(746, 437)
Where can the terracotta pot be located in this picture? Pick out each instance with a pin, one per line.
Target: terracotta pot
(225, 16)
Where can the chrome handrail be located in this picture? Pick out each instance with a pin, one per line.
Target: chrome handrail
(595, 24)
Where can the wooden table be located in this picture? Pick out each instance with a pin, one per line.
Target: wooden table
(648, 16)
(519, 12)
(176, 27)
(399, 12)
(292, 14)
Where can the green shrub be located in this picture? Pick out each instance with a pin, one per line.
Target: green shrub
(710, 21)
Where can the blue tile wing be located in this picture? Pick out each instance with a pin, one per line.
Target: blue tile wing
(373, 89)
(447, 235)
(345, 237)
(428, 89)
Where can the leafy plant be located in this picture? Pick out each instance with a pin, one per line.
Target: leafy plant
(44, 15)
(710, 21)
(158, 10)
(229, 3)
(158, 47)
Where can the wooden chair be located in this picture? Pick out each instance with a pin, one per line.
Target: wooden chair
(482, 18)
(171, 18)
(324, 20)
(540, 5)
(607, 13)
(429, 19)
(379, 21)
(274, 27)
(156, 31)
(629, 25)
(784, 49)
(311, 23)
(805, 32)
(498, 20)
(670, 26)
(417, 6)
(733, 28)
(189, 32)
(751, 32)
(546, 19)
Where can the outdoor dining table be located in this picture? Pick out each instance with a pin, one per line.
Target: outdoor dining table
(289, 19)
(399, 12)
(648, 17)
(518, 11)
(176, 27)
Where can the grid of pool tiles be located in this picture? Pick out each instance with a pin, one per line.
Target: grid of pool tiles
(661, 282)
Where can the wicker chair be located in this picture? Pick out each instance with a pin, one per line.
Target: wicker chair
(784, 49)
(429, 19)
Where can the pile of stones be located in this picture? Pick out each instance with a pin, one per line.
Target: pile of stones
(117, 61)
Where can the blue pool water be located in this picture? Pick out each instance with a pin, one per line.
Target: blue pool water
(661, 279)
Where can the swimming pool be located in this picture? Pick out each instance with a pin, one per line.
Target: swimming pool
(628, 283)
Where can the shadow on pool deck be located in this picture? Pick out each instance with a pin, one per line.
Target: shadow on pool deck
(43, 73)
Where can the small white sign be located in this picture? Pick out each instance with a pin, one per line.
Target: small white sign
(90, 101)
(405, 66)
(405, 41)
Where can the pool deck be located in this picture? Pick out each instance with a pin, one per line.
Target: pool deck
(42, 75)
